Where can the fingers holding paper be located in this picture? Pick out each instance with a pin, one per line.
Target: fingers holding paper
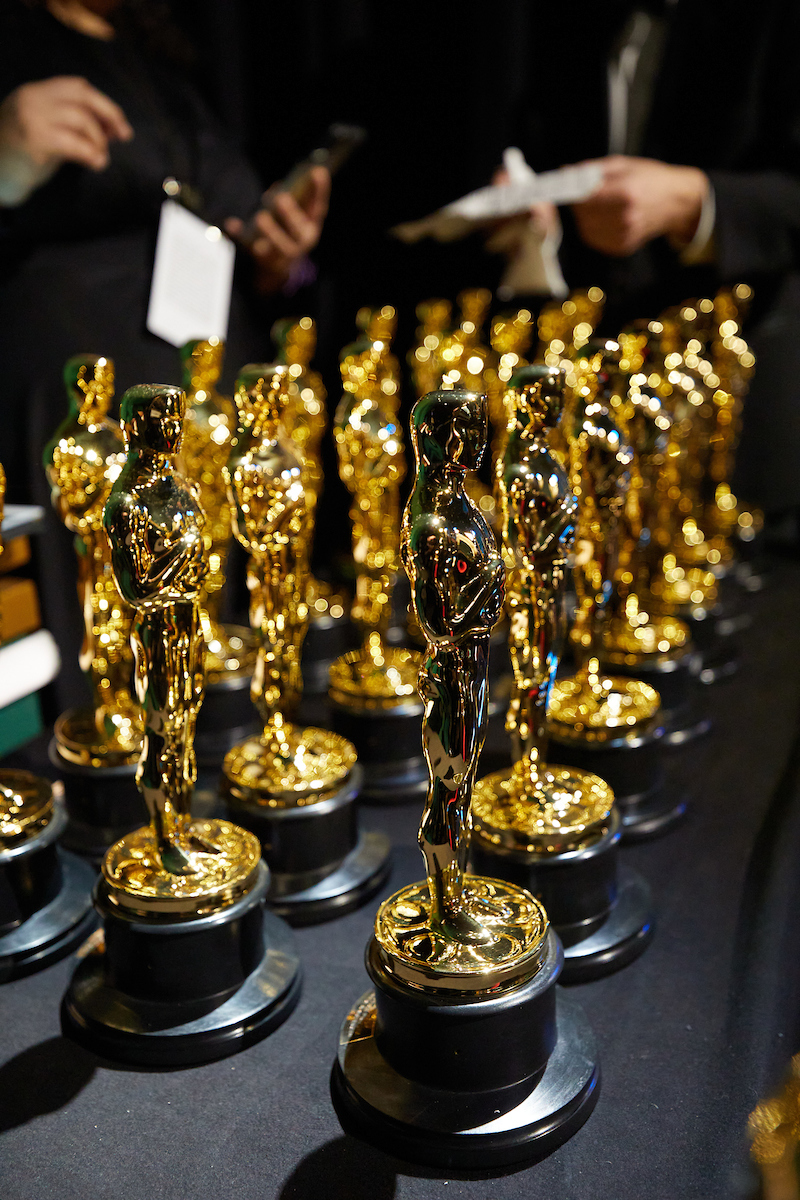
(638, 200)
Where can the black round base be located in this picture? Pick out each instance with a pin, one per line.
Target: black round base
(676, 678)
(425, 1124)
(602, 912)
(686, 723)
(718, 665)
(102, 803)
(623, 936)
(652, 813)
(327, 639)
(302, 844)
(389, 746)
(629, 764)
(716, 633)
(226, 717)
(363, 872)
(722, 623)
(180, 1014)
(55, 930)
(396, 783)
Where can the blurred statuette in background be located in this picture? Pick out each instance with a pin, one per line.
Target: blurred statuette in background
(457, 953)
(185, 932)
(95, 749)
(604, 723)
(373, 690)
(294, 786)
(552, 829)
(305, 419)
(229, 655)
(45, 893)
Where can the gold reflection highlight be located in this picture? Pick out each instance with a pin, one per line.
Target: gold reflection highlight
(592, 704)
(82, 461)
(286, 765)
(369, 443)
(155, 526)
(208, 428)
(455, 931)
(536, 807)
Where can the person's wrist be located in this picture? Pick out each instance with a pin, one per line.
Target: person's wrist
(691, 192)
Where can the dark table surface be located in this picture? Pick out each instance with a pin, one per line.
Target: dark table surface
(691, 1035)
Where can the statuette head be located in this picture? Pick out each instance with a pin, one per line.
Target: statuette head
(538, 396)
(261, 392)
(202, 363)
(89, 380)
(450, 427)
(152, 415)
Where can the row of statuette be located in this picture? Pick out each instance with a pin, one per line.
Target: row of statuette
(605, 495)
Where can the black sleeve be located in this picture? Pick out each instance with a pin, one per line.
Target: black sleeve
(758, 191)
(757, 229)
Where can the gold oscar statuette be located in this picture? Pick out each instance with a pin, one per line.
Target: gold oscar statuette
(207, 431)
(454, 932)
(82, 461)
(462, 356)
(434, 318)
(566, 326)
(305, 420)
(371, 464)
(378, 327)
(536, 807)
(511, 336)
(287, 764)
(642, 624)
(155, 527)
(591, 705)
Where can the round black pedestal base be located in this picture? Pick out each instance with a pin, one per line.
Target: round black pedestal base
(652, 813)
(426, 1124)
(673, 675)
(359, 876)
(327, 639)
(167, 1025)
(676, 678)
(397, 783)
(687, 723)
(601, 912)
(226, 717)
(103, 804)
(319, 865)
(631, 766)
(622, 937)
(389, 746)
(716, 632)
(718, 664)
(54, 930)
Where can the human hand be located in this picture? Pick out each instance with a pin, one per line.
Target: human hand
(286, 234)
(638, 200)
(58, 120)
(507, 235)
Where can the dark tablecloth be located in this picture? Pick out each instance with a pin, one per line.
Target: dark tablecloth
(691, 1035)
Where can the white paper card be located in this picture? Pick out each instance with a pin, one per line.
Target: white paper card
(190, 295)
(564, 186)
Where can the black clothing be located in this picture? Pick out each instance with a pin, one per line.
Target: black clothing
(726, 100)
(442, 98)
(76, 260)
